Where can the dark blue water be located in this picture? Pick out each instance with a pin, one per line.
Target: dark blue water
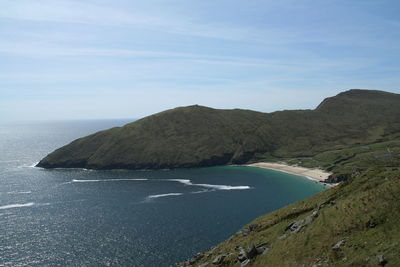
(122, 218)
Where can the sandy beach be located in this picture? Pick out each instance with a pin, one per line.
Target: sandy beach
(313, 174)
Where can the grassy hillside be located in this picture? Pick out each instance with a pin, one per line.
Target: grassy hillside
(355, 135)
(197, 136)
(353, 224)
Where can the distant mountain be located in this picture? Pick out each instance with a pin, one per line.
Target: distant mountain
(197, 136)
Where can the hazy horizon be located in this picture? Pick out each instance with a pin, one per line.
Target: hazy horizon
(93, 59)
(131, 119)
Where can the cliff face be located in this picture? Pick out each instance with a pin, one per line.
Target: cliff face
(198, 136)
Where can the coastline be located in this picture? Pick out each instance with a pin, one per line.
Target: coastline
(315, 174)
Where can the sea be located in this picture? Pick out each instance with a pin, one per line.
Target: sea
(79, 217)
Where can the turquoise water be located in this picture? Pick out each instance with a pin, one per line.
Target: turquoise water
(122, 218)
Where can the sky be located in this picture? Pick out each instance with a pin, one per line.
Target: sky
(98, 59)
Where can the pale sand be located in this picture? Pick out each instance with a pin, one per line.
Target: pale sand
(313, 174)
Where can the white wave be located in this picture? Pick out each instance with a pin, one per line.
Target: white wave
(33, 165)
(43, 204)
(28, 165)
(182, 181)
(213, 186)
(106, 180)
(165, 195)
(224, 187)
(12, 206)
(201, 191)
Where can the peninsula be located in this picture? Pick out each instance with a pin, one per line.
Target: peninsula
(352, 138)
(197, 136)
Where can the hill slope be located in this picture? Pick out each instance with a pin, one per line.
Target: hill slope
(353, 224)
(198, 136)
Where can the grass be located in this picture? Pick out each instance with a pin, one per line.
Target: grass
(197, 136)
(354, 134)
(348, 161)
(362, 211)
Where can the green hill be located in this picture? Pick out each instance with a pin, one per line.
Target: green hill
(356, 223)
(355, 135)
(198, 136)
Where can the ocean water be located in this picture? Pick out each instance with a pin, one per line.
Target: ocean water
(75, 217)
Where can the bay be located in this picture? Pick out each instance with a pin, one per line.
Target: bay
(76, 217)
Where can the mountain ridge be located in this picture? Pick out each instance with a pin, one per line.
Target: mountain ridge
(198, 136)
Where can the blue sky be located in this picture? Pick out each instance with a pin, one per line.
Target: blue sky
(84, 59)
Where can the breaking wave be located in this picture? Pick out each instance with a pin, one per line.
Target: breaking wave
(212, 186)
(12, 206)
(33, 165)
(207, 187)
(165, 195)
(107, 180)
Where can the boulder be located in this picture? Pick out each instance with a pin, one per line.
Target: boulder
(296, 226)
(251, 251)
(371, 224)
(338, 245)
(219, 259)
(261, 250)
(381, 260)
(242, 254)
(252, 227)
(244, 263)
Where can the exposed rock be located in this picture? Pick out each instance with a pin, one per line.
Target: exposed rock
(244, 263)
(251, 252)
(203, 264)
(183, 264)
(371, 224)
(261, 250)
(283, 236)
(289, 226)
(334, 179)
(192, 260)
(382, 261)
(338, 245)
(242, 254)
(263, 244)
(209, 252)
(243, 232)
(296, 226)
(250, 228)
(219, 259)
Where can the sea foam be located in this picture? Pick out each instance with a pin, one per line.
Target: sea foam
(165, 195)
(212, 186)
(12, 206)
(33, 165)
(107, 180)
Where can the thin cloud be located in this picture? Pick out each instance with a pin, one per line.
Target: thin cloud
(74, 12)
(300, 63)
